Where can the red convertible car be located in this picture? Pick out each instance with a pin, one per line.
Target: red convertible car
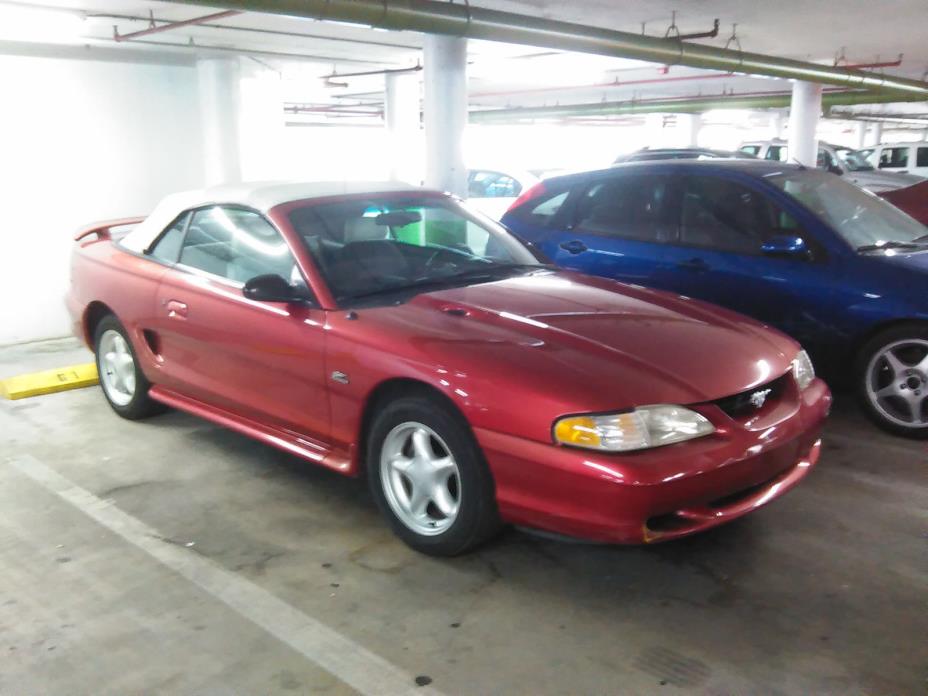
(389, 332)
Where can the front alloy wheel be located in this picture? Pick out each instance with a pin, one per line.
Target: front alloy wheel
(895, 381)
(428, 476)
(420, 478)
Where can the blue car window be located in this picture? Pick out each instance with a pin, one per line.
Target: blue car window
(727, 216)
(629, 207)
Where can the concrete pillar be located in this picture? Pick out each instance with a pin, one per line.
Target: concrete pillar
(218, 80)
(776, 125)
(689, 125)
(445, 63)
(876, 133)
(860, 130)
(804, 111)
(401, 113)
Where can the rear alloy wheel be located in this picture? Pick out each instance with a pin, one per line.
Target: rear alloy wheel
(428, 477)
(124, 385)
(894, 380)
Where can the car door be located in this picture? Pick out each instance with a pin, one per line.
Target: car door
(263, 360)
(717, 257)
(615, 226)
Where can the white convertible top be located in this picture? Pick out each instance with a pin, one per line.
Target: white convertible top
(261, 196)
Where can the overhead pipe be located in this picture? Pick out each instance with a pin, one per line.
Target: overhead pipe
(604, 85)
(431, 17)
(768, 100)
(173, 25)
(365, 73)
(258, 30)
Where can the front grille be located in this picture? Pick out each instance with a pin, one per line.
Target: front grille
(745, 403)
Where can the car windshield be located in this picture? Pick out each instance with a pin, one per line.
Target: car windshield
(392, 247)
(855, 161)
(865, 221)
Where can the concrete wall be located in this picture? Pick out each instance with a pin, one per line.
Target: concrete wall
(80, 141)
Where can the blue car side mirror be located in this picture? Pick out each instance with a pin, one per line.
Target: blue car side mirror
(785, 244)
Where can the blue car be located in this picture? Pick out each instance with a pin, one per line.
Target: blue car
(839, 269)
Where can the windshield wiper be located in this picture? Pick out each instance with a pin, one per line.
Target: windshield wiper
(489, 272)
(890, 245)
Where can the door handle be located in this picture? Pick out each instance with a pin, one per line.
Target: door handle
(176, 309)
(695, 264)
(574, 246)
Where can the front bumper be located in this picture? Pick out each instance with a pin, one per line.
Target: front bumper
(664, 493)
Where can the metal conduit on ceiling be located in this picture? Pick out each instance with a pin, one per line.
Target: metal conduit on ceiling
(431, 17)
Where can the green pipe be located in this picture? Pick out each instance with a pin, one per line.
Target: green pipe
(459, 19)
(773, 101)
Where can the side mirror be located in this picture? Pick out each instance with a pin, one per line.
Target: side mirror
(785, 245)
(271, 288)
(835, 169)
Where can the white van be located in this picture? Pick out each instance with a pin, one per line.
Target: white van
(851, 164)
(910, 158)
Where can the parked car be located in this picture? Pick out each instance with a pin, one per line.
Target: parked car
(839, 269)
(908, 158)
(647, 155)
(843, 161)
(492, 191)
(912, 200)
(390, 332)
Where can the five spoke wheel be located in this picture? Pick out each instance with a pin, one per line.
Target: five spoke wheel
(117, 365)
(420, 478)
(897, 382)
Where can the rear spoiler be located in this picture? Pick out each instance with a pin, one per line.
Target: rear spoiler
(102, 229)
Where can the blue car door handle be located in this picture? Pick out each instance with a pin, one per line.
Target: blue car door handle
(574, 246)
(695, 264)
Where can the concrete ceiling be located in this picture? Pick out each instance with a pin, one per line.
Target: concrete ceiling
(506, 75)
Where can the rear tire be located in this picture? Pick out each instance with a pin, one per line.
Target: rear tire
(429, 478)
(892, 380)
(122, 380)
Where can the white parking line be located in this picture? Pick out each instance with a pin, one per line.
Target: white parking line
(340, 656)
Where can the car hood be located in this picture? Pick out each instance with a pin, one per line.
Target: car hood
(598, 343)
(882, 181)
(917, 261)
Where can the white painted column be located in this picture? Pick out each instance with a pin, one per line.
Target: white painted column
(876, 133)
(776, 125)
(689, 125)
(860, 129)
(445, 59)
(401, 114)
(219, 108)
(804, 111)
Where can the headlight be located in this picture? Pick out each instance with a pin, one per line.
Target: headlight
(645, 427)
(803, 370)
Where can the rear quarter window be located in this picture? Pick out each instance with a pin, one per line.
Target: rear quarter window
(921, 159)
(541, 210)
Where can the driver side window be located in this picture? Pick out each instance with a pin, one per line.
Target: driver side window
(236, 244)
(727, 216)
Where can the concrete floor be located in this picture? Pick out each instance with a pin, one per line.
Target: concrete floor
(822, 592)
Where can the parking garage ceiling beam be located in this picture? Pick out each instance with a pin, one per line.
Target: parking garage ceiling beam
(431, 17)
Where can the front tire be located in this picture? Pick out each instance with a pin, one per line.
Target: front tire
(429, 478)
(124, 384)
(892, 380)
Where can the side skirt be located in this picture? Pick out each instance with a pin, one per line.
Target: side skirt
(301, 446)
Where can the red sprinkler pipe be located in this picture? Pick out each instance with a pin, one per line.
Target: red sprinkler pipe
(173, 25)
